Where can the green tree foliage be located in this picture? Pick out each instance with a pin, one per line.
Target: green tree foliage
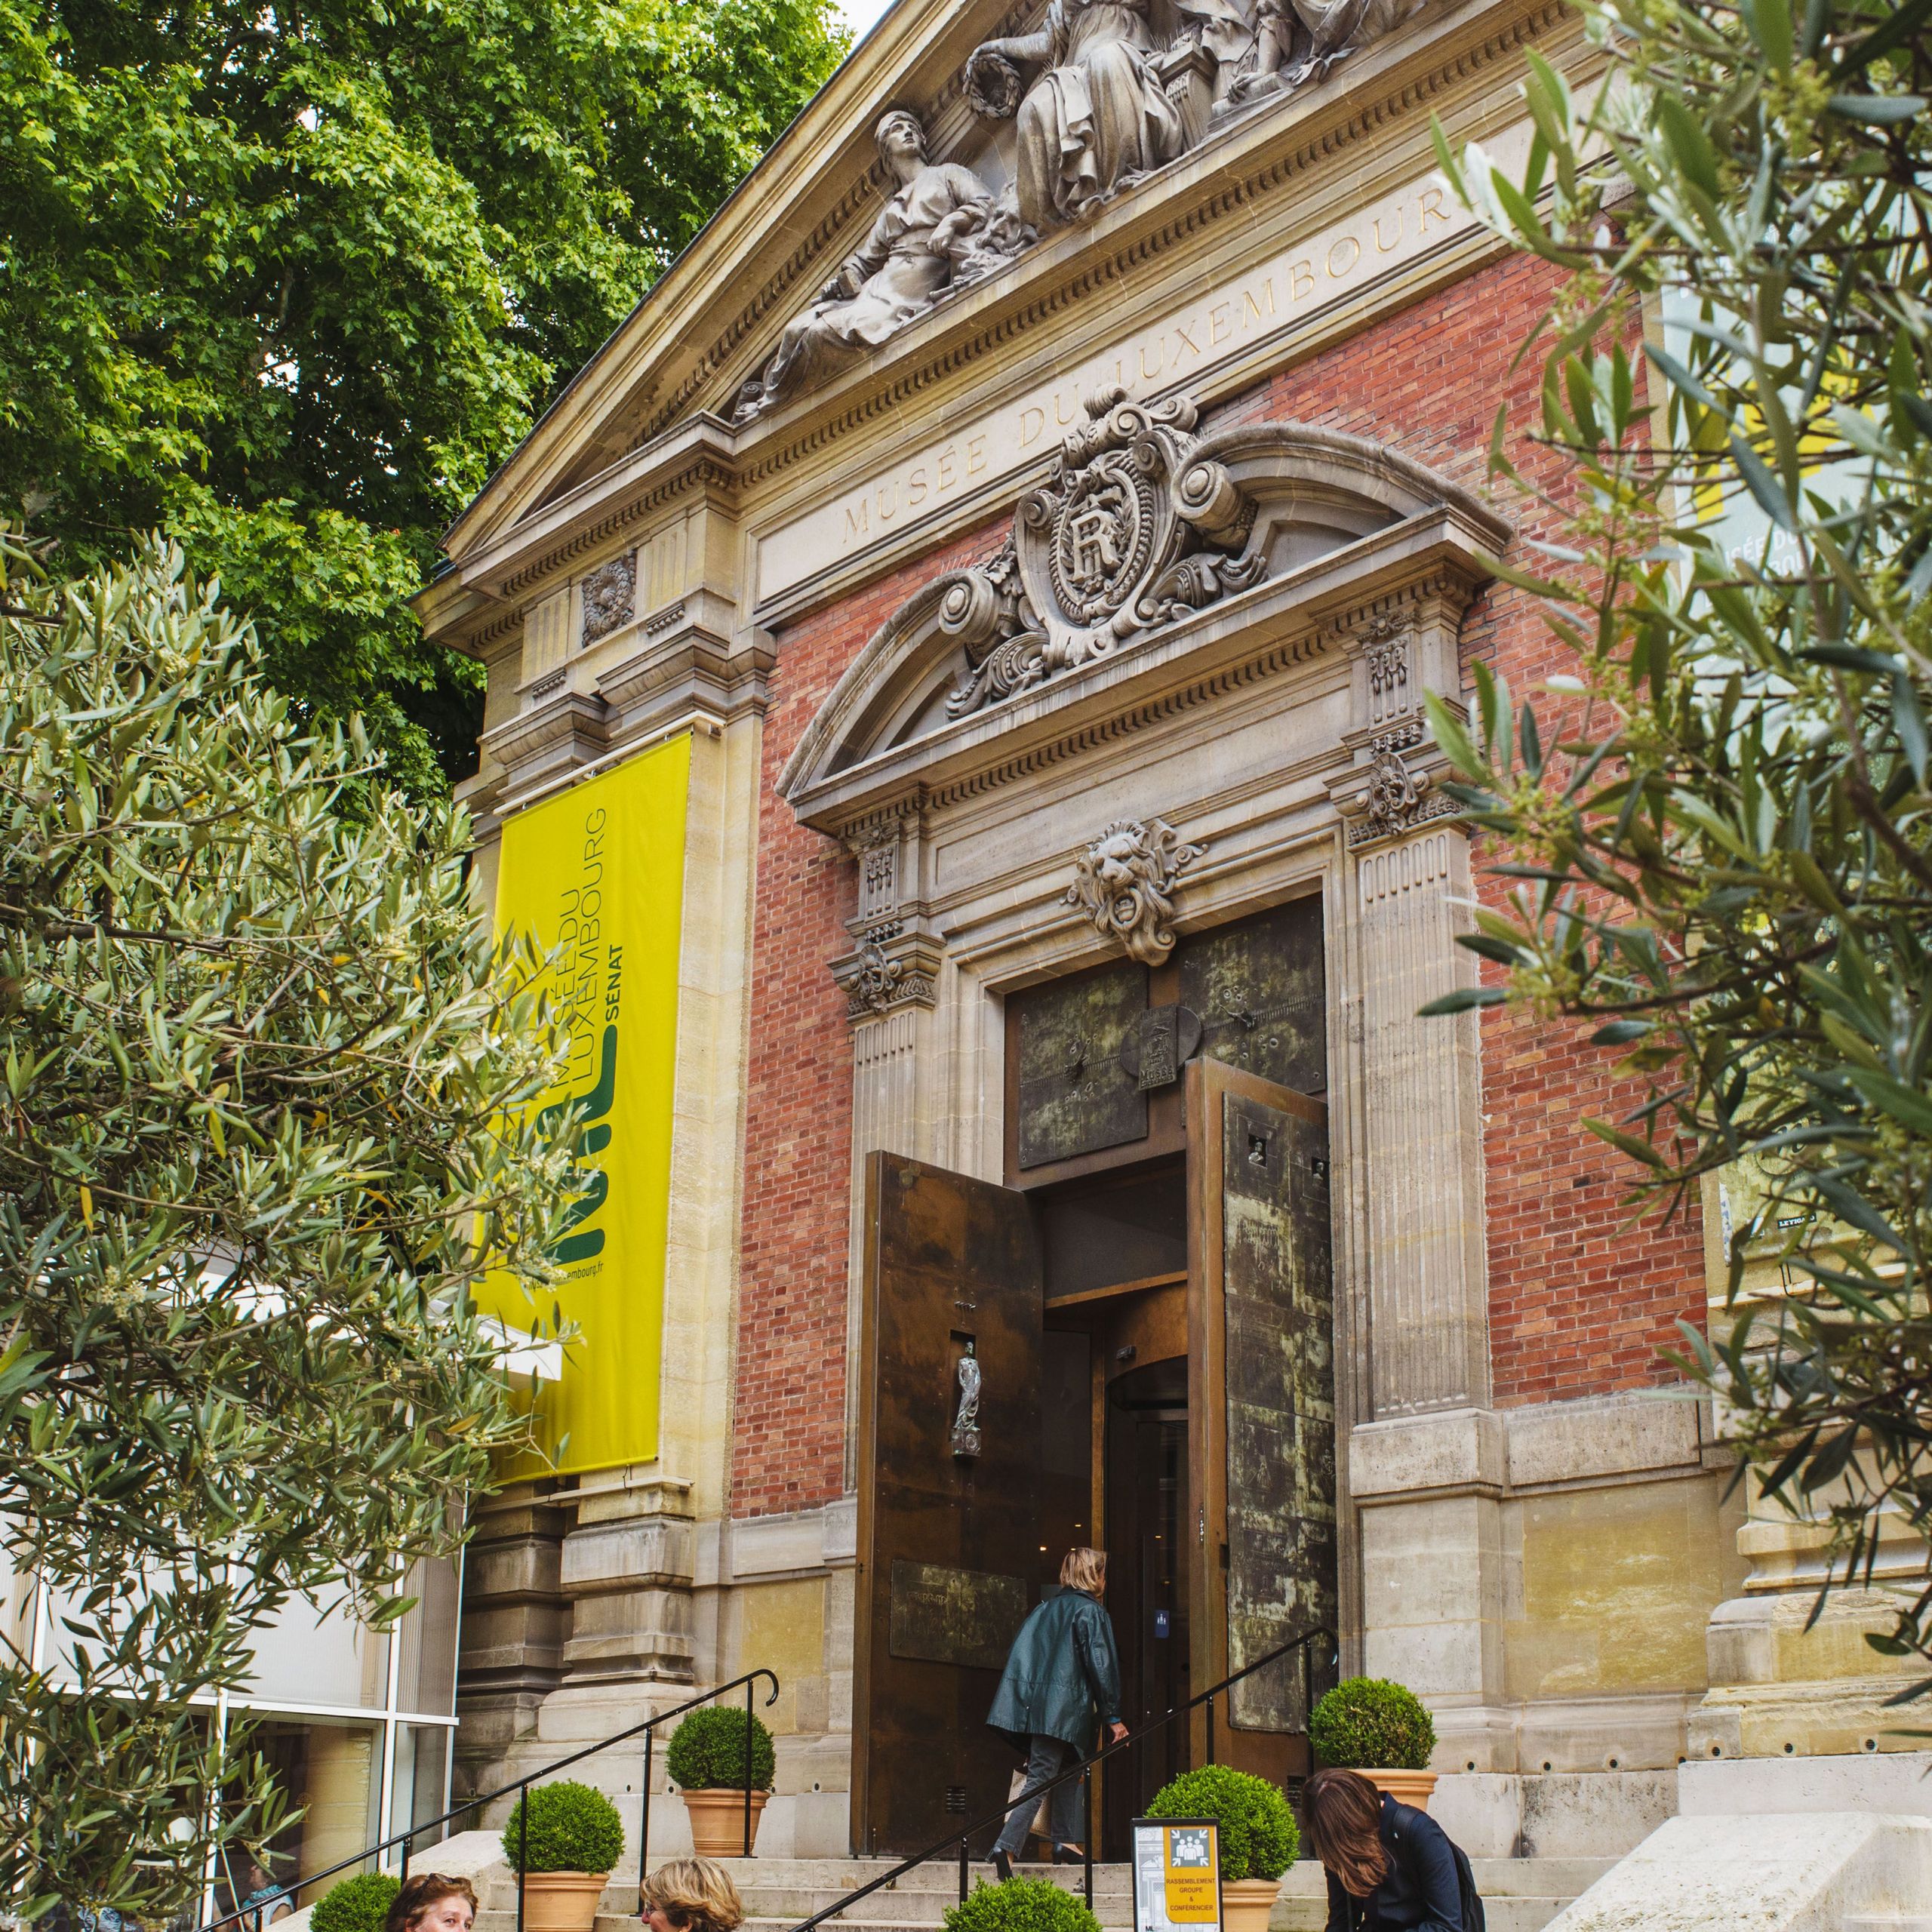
(707, 1750)
(563, 1827)
(1369, 1724)
(1718, 821)
(1258, 1836)
(294, 280)
(264, 1118)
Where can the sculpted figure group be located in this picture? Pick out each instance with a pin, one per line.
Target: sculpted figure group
(1103, 93)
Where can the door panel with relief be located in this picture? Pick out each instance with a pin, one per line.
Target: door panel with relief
(1262, 1401)
(949, 1562)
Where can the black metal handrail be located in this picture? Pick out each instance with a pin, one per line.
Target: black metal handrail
(1084, 1771)
(647, 1729)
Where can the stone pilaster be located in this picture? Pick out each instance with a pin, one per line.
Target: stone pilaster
(1421, 1079)
(890, 980)
(627, 1567)
(514, 1618)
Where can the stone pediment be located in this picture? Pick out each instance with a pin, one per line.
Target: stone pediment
(899, 224)
(1152, 568)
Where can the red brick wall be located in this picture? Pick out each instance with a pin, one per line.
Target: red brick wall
(788, 1427)
(1578, 1305)
(1579, 1301)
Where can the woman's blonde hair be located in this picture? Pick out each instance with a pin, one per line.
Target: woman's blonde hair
(1084, 1570)
(695, 1895)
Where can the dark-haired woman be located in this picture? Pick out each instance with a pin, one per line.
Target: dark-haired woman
(1390, 1867)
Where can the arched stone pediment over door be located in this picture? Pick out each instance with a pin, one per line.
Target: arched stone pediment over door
(1150, 562)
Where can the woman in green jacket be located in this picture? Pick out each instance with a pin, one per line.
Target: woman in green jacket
(1063, 1669)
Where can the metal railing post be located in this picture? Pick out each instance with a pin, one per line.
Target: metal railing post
(1210, 1727)
(643, 1821)
(522, 1848)
(962, 1868)
(1086, 1805)
(404, 1878)
(748, 1770)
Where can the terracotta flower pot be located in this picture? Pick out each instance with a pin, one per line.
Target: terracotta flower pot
(718, 1821)
(562, 1901)
(1405, 1787)
(1246, 1903)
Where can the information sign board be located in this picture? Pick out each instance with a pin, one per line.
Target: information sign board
(1177, 1873)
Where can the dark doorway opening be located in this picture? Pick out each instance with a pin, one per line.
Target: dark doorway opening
(1147, 1592)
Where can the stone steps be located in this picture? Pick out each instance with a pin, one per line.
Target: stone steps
(1519, 1894)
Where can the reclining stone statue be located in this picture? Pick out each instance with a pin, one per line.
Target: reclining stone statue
(942, 228)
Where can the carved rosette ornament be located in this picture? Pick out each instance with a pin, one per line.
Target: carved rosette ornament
(1125, 881)
(1130, 531)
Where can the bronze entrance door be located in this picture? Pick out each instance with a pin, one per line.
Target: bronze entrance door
(948, 1556)
(1261, 1403)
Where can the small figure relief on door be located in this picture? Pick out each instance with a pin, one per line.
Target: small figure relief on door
(966, 1417)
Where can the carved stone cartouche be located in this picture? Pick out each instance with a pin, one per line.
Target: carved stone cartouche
(609, 597)
(1125, 881)
(1131, 530)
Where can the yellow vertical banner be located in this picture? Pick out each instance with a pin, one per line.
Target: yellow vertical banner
(595, 877)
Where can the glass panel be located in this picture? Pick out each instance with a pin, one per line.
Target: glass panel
(426, 1670)
(318, 1653)
(330, 1770)
(420, 1790)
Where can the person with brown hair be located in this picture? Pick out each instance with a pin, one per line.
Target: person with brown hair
(1062, 1669)
(430, 1902)
(692, 1895)
(1390, 1866)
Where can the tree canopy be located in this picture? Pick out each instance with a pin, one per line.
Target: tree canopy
(1719, 822)
(290, 281)
(265, 1114)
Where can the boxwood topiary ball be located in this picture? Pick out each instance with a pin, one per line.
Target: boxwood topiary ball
(356, 1905)
(707, 1751)
(1020, 1905)
(1259, 1836)
(571, 1828)
(1368, 1724)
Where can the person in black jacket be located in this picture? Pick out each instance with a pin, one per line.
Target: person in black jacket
(1390, 1867)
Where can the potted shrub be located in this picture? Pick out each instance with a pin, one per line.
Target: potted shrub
(706, 1761)
(359, 1904)
(1020, 1905)
(565, 1839)
(1368, 1724)
(1258, 1837)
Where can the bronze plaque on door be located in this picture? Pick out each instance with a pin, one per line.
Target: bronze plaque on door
(1075, 1096)
(959, 1616)
(1258, 987)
